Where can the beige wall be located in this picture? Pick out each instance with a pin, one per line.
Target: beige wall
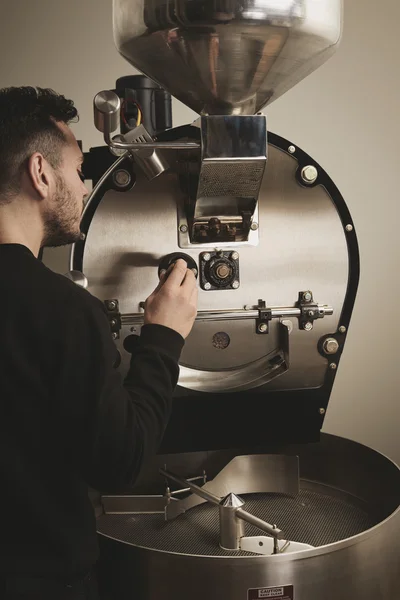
(346, 115)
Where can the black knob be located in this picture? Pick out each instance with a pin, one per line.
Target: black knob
(171, 259)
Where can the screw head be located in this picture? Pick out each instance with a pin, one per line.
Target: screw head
(342, 329)
(183, 228)
(194, 271)
(234, 256)
(207, 286)
(111, 305)
(331, 346)
(207, 256)
(349, 227)
(333, 366)
(254, 226)
(235, 285)
(262, 328)
(309, 174)
(113, 322)
(114, 336)
(308, 326)
(82, 236)
(122, 178)
(310, 313)
(292, 149)
(307, 296)
(321, 411)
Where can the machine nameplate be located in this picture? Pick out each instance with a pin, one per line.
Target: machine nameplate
(285, 592)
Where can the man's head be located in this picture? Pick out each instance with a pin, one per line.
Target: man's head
(40, 159)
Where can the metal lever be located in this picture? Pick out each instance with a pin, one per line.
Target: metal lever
(228, 513)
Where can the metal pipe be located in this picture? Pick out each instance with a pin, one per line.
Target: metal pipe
(149, 145)
(271, 529)
(234, 314)
(196, 489)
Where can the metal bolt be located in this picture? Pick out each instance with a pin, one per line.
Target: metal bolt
(331, 346)
(82, 236)
(113, 322)
(207, 256)
(114, 336)
(349, 227)
(263, 327)
(310, 313)
(254, 226)
(183, 228)
(342, 329)
(321, 411)
(122, 178)
(307, 296)
(292, 149)
(333, 366)
(194, 271)
(309, 174)
(207, 286)
(235, 285)
(234, 256)
(308, 326)
(223, 271)
(111, 305)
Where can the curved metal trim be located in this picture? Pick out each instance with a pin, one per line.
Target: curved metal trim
(248, 376)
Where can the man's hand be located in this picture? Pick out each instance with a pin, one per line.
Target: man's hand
(174, 301)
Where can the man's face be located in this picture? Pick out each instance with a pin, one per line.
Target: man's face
(63, 210)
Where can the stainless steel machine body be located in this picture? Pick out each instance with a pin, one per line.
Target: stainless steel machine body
(266, 507)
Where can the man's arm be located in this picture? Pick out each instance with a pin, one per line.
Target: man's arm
(118, 425)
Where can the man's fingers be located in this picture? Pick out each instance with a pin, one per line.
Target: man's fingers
(177, 275)
(189, 283)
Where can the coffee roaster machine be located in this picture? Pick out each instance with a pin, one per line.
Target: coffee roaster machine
(246, 498)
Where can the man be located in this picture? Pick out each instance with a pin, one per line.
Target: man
(67, 421)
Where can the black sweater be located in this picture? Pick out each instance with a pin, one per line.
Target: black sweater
(67, 421)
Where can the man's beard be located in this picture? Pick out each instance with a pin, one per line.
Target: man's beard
(60, 227)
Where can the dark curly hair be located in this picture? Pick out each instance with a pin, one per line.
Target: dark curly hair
(28, 118)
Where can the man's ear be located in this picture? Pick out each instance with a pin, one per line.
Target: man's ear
(39, 174)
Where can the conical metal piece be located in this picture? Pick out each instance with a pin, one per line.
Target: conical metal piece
(229, 57)
(232, 501)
